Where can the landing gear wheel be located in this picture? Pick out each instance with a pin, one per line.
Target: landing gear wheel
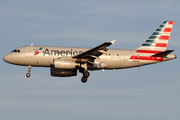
(86, 74)
(84, 79)
(29, 70)
(28, 75)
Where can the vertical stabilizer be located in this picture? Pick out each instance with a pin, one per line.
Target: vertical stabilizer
(154, 48)
(159, 39)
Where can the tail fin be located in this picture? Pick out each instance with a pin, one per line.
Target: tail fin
(159, 39)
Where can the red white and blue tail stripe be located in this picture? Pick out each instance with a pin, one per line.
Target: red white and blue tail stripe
(159, 39)
(155, 44)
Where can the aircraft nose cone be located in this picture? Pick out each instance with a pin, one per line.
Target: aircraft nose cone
(6, 58)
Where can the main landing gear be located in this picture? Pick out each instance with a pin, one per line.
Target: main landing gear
(85, 76)
(29, 70)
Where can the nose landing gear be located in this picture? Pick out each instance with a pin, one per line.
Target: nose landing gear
(29, 70)
(28, 75)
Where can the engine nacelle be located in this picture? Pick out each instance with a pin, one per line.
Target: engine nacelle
(64, 63)
(63, 72)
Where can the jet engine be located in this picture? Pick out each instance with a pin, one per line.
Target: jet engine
(63, 72)
(62, 63)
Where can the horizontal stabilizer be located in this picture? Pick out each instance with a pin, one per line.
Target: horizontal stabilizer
(162, 54)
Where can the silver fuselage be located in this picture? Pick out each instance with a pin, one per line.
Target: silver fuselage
(113, 59)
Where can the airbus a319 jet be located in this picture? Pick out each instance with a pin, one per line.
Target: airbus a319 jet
(66, 61)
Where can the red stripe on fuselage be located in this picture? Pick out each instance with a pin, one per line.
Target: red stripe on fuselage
(146, 58)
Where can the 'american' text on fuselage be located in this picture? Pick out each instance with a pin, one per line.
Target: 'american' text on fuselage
(61, 52)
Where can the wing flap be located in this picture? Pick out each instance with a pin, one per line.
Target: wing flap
(94, 53)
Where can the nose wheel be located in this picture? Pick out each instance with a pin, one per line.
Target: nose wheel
(85, 76)
(28, 75)
(29, 70)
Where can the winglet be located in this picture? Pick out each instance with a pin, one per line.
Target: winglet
(113, 41)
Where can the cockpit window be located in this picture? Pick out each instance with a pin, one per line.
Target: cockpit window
(15, 51)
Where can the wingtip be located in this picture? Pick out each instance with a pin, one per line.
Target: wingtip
(113, 42)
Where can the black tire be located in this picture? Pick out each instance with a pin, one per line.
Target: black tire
(28, 75)
(86, 74)
(84, 79)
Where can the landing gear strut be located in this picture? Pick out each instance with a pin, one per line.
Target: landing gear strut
(85, 76)
(29, 70)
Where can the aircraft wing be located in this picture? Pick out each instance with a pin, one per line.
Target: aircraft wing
(94, 53)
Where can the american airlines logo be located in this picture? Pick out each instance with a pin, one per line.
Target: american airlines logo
(37, 52)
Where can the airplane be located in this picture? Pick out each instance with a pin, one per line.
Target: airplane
(66, 61)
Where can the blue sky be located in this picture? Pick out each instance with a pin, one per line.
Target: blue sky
(149, 92)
